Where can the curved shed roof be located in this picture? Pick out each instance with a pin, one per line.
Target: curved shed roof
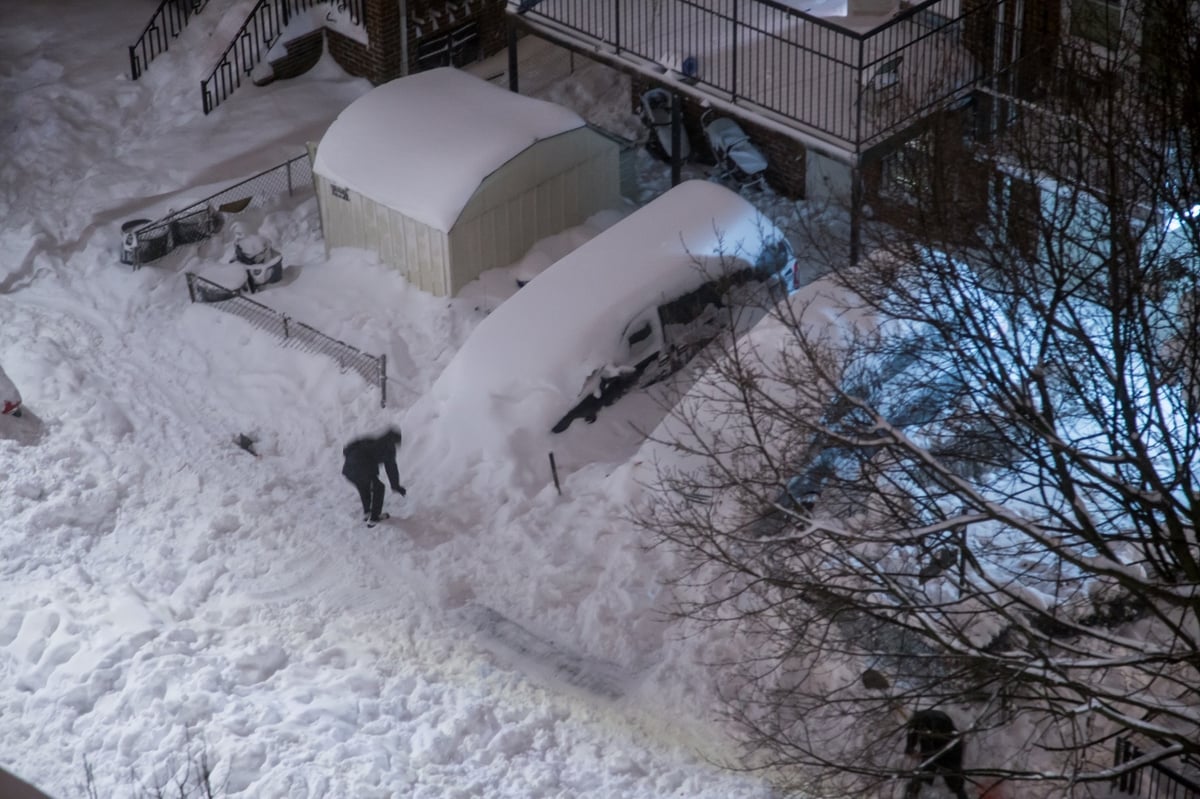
(422, 144)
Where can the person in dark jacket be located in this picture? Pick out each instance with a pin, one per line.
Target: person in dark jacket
(934, 739)
(364, 456)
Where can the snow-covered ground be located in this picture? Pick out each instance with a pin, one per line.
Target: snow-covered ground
(164, 589)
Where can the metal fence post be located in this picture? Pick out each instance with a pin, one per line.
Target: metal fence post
(513, 63)
(285, 326)
(858, 92)
(1116, 781)
(676, 136)
(191, 284)
(1127, 782)
(383, 380)
(617, 25)
(733, 78)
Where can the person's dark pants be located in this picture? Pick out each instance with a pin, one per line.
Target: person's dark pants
(370, 491)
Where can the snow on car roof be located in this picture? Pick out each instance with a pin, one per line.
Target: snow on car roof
(422, 144)
(569, 319)
(525, 364)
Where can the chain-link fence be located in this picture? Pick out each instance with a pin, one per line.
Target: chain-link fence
(146, 240)
(372, 368)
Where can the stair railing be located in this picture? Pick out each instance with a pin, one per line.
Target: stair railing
(258, 34)
(1156, 780)
(165, 24)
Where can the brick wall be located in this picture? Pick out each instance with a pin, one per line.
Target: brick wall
(349, 54)
(303, 53)
(493, 28)
(385, 54)
(949, 197)
(786, 157)
(382, 58)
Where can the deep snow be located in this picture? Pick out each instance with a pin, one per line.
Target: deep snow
(162, 586)
(379, 148)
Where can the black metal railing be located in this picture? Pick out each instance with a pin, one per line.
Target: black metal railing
(372, 368)
(156, 238)
(851, 88)
(166, 23)
(1154, 780)
(259, 33)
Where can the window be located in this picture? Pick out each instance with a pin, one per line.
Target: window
(1097, 21)
(641, 334)
(433, 52)
(1015, 207)
(458, 47)
(464, 44)
(643, 340)
(689, 307)
(906, 170)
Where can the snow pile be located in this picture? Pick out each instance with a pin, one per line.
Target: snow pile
(164, 586)
(420, 145)
(528, 363)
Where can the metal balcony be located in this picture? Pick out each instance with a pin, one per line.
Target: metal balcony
(840, 84)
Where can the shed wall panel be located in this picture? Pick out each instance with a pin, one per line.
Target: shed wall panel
(418, 251)
(553, 185)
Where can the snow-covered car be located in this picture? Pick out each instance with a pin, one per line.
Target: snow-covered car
(707, 419)
(627, 308)
(904, 384)
(10, 398)
(896, 376)
(908, 393)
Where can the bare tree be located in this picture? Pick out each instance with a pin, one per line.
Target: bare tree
(981, 495)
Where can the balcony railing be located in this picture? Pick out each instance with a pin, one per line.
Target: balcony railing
(1155, 780)
(849, 87)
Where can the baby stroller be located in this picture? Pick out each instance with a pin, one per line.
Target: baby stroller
(656, 116)
(737, 159)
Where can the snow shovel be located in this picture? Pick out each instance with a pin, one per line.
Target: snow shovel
(234, 206)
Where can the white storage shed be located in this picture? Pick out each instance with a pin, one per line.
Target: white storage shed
(446, 175)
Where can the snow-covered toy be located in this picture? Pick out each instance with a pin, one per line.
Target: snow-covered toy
(264, 264)
(10, 398)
